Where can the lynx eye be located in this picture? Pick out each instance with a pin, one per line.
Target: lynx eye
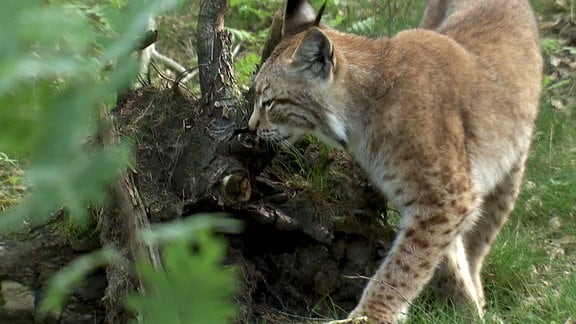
(268, 104)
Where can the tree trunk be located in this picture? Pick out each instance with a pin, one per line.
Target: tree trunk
(217, 80)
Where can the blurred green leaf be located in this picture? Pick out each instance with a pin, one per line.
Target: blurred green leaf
(188, 229)
(60, 61)
(65, 280)
(193, 287)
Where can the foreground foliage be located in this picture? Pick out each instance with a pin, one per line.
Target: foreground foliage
(62, 64)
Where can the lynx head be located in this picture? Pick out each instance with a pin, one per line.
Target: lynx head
(295, 86)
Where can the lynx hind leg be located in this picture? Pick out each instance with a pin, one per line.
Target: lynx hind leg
(453, 279)
(418, 249)
(462, 264)
(496, 209)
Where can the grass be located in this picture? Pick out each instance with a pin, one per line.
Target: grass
(538, 245)
(11, 182)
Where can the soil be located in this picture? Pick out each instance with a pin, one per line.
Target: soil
(29, 260)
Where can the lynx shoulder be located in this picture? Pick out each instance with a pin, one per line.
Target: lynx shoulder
(439, 117)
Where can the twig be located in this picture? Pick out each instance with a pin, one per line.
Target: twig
(236, 50)
(388, 286)
(162, 75)
(355, 320)
(185, 76)
(380, 283)
(166, 60)
(150, 53)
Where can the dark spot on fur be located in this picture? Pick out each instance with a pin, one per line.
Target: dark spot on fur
(409, 203)
(421, 243)
(425, 265)
(388, 177)
(403, 265)
(434, 220)
(448, 231)
(409, 232)
(463, 210)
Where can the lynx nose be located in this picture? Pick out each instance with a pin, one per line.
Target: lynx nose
(253, 122)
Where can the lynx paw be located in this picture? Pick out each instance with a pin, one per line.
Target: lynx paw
(358, 315)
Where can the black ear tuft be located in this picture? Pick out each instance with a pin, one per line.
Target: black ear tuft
(320, 13)
(315, 53)
(299, 16)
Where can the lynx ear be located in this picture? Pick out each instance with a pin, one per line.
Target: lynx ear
(315, 53)
(299, 16)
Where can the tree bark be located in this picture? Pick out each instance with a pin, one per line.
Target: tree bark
(217, 78)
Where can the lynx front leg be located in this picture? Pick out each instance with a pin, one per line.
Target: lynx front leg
(417, 251)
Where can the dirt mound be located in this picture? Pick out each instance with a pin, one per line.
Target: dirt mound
(312, 222)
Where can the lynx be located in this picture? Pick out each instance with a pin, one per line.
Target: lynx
(439, 117)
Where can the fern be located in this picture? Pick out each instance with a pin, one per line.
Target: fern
(192, 288)
(363, 27)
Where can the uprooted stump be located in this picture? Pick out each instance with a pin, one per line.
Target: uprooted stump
(307, 237)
